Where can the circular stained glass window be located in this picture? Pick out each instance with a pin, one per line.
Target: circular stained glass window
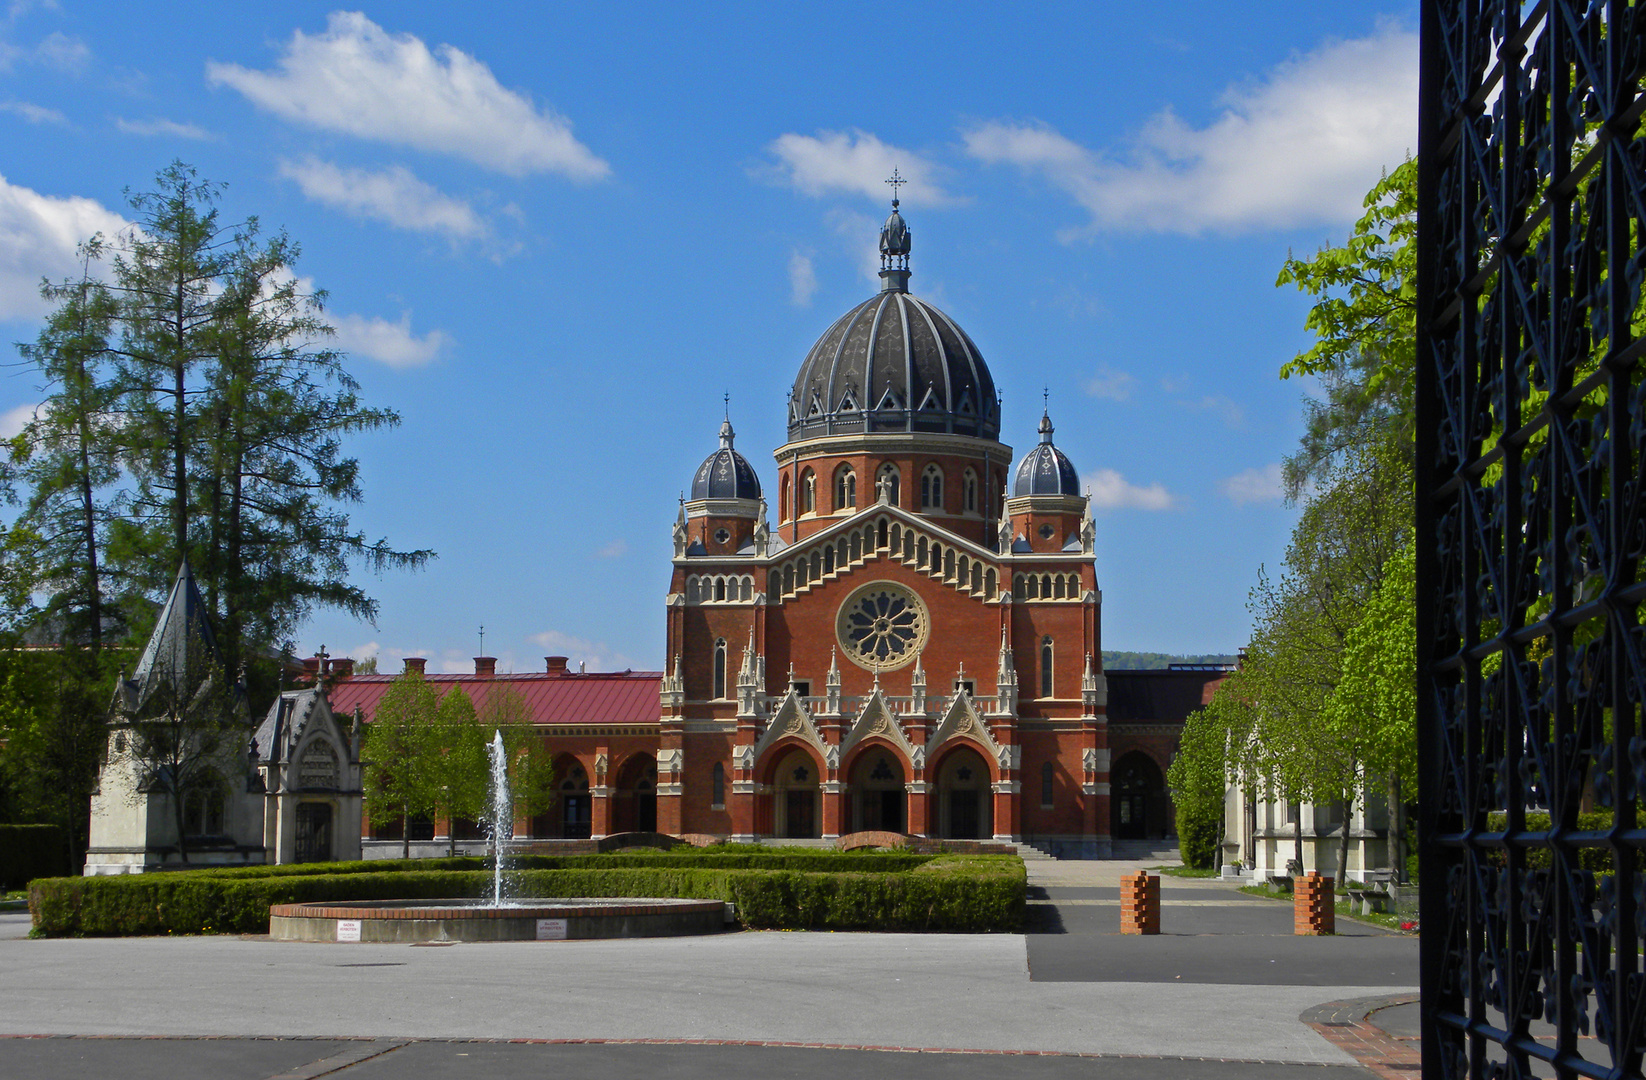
(882, 625)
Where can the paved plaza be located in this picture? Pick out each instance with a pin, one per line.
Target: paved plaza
(1223, 992)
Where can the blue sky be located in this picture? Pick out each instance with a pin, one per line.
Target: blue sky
(553, 239)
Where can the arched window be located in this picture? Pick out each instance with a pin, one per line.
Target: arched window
(788, 496)
(845, 488)
(892, 478)
(720, 668)
(1046, 786)
(808, 492)
(970, 492)
(1046, 667)
(719, 784)
(203, 799)
(931, 488)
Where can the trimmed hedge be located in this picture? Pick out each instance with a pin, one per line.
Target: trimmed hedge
(31, 851)
(1595, 859)
(971, 894)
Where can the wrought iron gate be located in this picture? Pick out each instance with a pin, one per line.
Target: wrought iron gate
(1532, 525)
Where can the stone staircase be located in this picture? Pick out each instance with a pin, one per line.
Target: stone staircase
(1164, 850)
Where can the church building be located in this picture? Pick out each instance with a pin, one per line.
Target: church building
(912, 646)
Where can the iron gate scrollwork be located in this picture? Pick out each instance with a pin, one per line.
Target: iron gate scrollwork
(1532, 524)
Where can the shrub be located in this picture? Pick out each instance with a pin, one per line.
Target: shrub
(1198, 834)
(1595, 859)
(31, 851)
(946, 893)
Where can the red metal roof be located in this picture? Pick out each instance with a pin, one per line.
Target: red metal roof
(622, 697)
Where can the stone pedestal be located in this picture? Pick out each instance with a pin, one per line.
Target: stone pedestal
(1314, 905)
(1140, 903)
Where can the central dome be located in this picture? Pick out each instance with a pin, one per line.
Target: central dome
(894, 363)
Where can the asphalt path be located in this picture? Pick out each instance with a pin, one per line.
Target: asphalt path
(1218, 994)
(1216, 937)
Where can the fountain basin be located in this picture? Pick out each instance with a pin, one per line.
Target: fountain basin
(548, 919)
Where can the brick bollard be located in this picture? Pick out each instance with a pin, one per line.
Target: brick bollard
(1140, 904)
(1314, 905)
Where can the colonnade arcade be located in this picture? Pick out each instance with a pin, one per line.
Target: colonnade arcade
(816, 773)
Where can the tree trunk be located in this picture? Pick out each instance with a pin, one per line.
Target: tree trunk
(1397, 830)
(1343, 842)
(1297, 839)
(405, 833)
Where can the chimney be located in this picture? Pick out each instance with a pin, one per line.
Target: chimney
(556, 664)
(311, 669)
(415, 663)
(341, 668)
(485, 667)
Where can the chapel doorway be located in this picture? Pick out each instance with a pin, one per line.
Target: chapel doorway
(796, 785)
(965, 807)
(879, 799)
(313, 832)
(1137, 785)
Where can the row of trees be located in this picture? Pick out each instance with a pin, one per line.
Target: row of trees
(191, 409)
(1323, 706)
(427, 755)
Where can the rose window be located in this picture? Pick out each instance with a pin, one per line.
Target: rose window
(882, 626)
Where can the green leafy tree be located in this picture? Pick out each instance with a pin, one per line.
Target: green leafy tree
(1365, 326)
(458, 760)
(401, 780)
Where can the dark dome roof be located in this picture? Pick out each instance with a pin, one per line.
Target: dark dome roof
(1046, 470)
(725, 474)
(894, 363)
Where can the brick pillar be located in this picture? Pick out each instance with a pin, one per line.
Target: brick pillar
(1314, 905)
(833, 795)
(600, 811)
(919, 808)
(1140, 903)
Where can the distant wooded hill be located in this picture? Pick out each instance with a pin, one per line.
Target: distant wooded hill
(1149, 661)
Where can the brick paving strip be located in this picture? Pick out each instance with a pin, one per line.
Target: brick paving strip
(1347, 1025)
(370, 1047)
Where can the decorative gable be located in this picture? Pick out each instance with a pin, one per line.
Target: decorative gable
(876, 718)
(790, 719)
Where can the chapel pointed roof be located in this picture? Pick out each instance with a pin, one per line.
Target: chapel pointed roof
(181, 654)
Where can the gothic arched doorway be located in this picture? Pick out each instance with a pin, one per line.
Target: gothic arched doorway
(636, 795)
(571, 819)
(795, 788)
(1137, 790)
(965, 807)
(879, 799)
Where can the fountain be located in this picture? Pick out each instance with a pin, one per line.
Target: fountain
(496, 917)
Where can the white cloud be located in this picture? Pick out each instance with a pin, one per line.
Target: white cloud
(62, 52)
(596, 654)
(855, 163)
(861, 236)
(1111, 385)
(391, 343)
(13, 421)
(1299, 146)
(393, 195)
(802, 279)
(34, 114)
(1227, 408)
(38, 235)
(359, 79)
(156, 125)
(614, 550)
(1111, 491)
(1254, 485)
